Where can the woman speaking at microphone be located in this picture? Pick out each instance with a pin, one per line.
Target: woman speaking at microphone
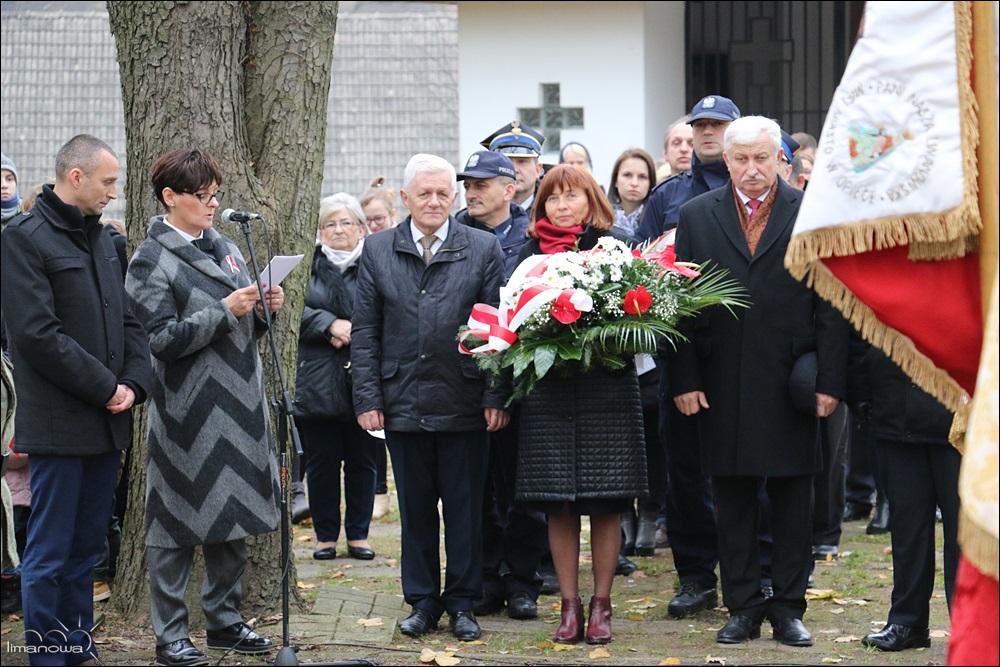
(212, 478)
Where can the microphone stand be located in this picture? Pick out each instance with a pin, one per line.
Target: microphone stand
(286, 655)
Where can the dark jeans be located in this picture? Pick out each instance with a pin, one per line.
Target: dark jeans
(921, 478)
(328, 443)
(450, 467)
(71, 499)
(514, 536)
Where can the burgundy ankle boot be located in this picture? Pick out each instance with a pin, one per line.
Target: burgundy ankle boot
(599, 621)
(571, 626)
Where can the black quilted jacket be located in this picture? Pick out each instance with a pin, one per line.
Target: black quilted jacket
(582, 437)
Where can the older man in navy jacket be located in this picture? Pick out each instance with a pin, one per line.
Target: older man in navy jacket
(416, 285)
(81, 361)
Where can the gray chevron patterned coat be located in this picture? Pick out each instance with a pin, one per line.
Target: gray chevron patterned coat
(211, 475)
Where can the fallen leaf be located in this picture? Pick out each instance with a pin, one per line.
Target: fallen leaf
(303, 538)
(837, 610)
(639, 574)
(391, 562)
(452, 649)
(714, 660)
(339, 574)
(562, 647)
(819, 593)
(846, 639)
(887, 551)
(427, 656)
(832, 631)
(831, 661)
(304, 586)
(370, 622)
(348, 566)
(544, 645)
(503, 651)
(599, 653)
(641, 600)
(635, 616)
(939, 634)
(669, 661)
(475, 642)
(446, 660)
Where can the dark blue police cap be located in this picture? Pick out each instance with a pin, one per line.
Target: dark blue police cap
(715, 107)
(788, 145)
(517, 139)
(487, 164)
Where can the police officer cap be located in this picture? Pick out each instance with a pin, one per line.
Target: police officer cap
(788, 145)
(715, 107)
(487, 164)
(517, 139)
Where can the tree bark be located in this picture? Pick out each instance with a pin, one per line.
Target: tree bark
(248, 81)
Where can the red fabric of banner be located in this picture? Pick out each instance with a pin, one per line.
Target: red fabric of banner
(975, 626)
(934, 303)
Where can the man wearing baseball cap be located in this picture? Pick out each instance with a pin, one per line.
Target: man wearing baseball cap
(514, 538)
(690, 517)
(523, 145)
(490, 183)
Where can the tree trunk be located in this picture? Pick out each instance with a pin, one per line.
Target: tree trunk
(248, 81)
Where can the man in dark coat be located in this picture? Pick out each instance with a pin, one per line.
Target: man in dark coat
(416, 287)
(734, 373)
(514, 537)
(81, 362)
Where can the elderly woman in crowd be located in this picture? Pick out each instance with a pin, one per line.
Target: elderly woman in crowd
(598, 466)
(212, 479)
(330, 434)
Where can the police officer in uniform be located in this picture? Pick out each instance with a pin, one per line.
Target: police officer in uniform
(523, 145)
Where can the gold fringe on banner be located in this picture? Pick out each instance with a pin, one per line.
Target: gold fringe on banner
(940, 235)
(978, 546)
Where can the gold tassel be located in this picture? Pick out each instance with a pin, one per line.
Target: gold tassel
(978, 546)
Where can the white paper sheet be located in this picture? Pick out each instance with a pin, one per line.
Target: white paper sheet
(277, 269)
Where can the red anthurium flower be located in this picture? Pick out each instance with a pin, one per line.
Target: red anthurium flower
(638, 300)
(636, 252)
(668, 260)
(563, 309)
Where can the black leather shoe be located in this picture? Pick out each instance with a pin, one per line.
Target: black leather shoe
(239, 637)
(791, 632)
(857, 511)
(465, 627)
(521, 606)
(361, 553)
(895, 637)
(419, 622)
(662, 538)
(628, 522)
(327, 553)
(625, 567)
(645, 534)
(690, 600)
(879, 525)
(300, 505)
(488, 605)
(180, 652)
(738, 630)
(550, 582)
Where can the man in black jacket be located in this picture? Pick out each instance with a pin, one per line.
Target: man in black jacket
(81, 361)
(416, 287)
(734, 374)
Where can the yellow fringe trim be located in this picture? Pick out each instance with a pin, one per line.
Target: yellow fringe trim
(959, 427)
(898, 347)
(979, 546)
(940, 235)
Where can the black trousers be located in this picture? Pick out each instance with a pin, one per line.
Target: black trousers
(828, 485)
(861, 480)
(690, 513)
(328, 443)
(450, 467)
(739, 512)
(514, 536)
(921, 477)
(381, 465)
(656, 461)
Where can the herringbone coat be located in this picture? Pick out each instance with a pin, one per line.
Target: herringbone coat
(211, 475)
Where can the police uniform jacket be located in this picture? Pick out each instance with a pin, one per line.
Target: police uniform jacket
(662, 211)
(404, 354)
(512, 234)
(743, 363)
(72, 336)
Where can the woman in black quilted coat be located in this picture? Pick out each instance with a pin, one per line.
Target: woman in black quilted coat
(581, 448)
(323, 403)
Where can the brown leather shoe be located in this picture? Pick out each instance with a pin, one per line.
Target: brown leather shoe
(571, 626)
(599, 621)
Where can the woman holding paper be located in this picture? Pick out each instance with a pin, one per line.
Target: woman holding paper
(323, 406)
(212, 479)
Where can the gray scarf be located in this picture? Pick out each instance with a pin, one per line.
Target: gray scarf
(343, 259)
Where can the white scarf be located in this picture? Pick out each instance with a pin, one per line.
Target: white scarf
(343, 259)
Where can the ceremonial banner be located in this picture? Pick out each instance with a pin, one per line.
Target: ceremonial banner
(888, 228)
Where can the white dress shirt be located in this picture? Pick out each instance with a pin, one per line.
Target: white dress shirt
(441, 234)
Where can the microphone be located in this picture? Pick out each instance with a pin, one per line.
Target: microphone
(229, 216)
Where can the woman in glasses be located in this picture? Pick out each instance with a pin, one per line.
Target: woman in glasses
(212, 479)
(330, 434)
(379, 204)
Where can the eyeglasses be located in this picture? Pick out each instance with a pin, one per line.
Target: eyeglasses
(336, 224)
(206, 197)
(377, 219)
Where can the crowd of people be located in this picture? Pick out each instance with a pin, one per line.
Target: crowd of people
(742, 449)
